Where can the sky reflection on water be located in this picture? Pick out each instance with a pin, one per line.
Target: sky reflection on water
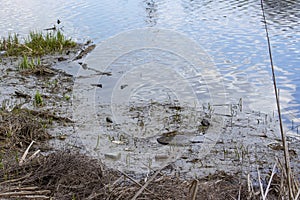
(231, 32)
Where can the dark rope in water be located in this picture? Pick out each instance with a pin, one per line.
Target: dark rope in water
(283, 137)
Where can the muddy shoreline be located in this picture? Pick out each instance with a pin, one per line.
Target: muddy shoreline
(247, 141)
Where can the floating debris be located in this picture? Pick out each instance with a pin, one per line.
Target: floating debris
(84, 52)
(123, 86)
(96, 85)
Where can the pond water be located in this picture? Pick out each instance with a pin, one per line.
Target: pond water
(231, 32)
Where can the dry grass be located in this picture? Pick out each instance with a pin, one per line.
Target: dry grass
(19, 127)
(70, 175)
(65, 175)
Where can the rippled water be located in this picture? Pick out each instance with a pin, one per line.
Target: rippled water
(231, 32)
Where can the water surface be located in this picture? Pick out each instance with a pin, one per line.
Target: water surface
(231, 32)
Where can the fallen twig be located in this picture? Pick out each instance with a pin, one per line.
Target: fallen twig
(36, 197)
(193, 189)
(22, 160)
(130, 178)
(297, 195)
(250, 186)
(24, 193)
(265, 193)
(23, 45)
(33, 155)
(23, 95)
(16, 180)
(85, 52)
(147, 183)
(30, 188)
(269, 184)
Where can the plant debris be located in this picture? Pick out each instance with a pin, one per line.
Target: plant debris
(19, 127)
(66, 175)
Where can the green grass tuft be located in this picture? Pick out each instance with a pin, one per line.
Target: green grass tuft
(38, 100)
(36, 44)
(29, 64)
(24, 63)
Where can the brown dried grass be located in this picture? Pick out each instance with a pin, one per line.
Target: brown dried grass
(72, 175)
(19, 127)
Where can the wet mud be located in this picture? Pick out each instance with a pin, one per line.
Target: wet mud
(180, 144)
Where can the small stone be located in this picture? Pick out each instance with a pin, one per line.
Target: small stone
(60, 59)
(205, 122)
(62, 137)
(109, 120)
(113, 156)
(166, 137)
(197, 139)
(161, 156)
(128, 149)
(97, 85)
(164, 140)
(84, 66)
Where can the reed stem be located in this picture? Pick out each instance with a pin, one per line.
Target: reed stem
(283, 136)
